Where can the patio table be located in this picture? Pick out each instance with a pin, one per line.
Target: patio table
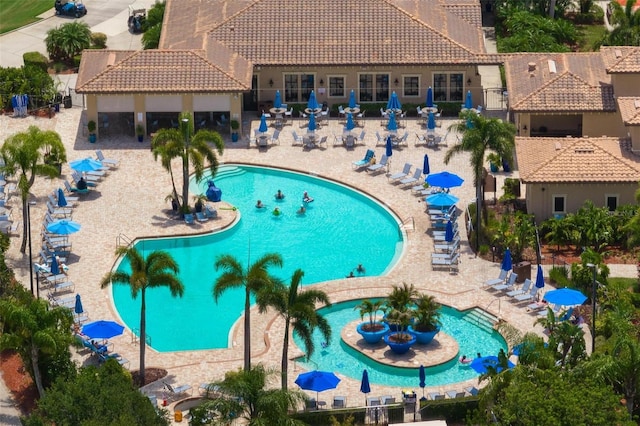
(275, 111)
(352, 111)
(313, 111)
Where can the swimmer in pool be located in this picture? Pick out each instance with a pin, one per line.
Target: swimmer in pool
(279, 195)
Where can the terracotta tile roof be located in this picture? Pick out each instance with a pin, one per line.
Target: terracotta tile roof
(630, 110)
(329, 32)
(576, 160)
(160, 71)
(621, 59)
(466, 9)
(558, 83)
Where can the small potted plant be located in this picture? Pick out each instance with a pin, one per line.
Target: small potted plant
(140, 132)
(372, 331)
(494, 162)
(91, 126)
(199, 202)
(235, 125)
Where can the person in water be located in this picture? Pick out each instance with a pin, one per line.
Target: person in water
(279, 195)
(351, 275)
(276, 212)
(306, 198)
(259, 204)
(464, 360)
(302, 209)
(360, 269)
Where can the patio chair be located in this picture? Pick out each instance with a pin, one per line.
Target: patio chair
(420, 139)
(435, 396)
(109, 162)
(388, 399)
(409, 180)
(59, 212)
(350, 141)
(379, 139)
(531, 295)
(297, 140)
(496, 281)
(472, 390)
(378, 167)
(357, 165)
(176, 391)
(201, 216)
(508, 285)
(403, 174)
(525, 288)
(450, 263)
(275, 139)
(403, 139)
(374, 400)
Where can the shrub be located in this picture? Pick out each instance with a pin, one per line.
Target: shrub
(76, 61)
(559, 275)
(99, 40)
(484, 249)
(35, 59)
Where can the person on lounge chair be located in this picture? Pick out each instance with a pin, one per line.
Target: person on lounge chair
(306, 198)
(82, 184)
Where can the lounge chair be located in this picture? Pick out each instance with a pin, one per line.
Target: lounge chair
(472, 390)
(70, 199)
(201, 217)
(90, 182)
(496, 281)
(435, 396)
(365, 161)
(509, 285)
(449, 248)
(531, 295)
(339, 402)
(452, 394)
(176, 391)
(388, 399)
(373, 401)
(403, 174)
(72, 190)
(59, 212)
(67, 302)
(375, 168)
(409, 180)
(109, 162)
(555, 309)
(112, 355)
(445, 262)
(523, 290)
(188, 219)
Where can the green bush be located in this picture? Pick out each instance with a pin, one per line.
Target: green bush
(450, 109)
(560, 276)
(99, 40)
(76, 61)
(35, 59)
(484, 249)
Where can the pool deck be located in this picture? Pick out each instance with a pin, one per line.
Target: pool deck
(130, 203)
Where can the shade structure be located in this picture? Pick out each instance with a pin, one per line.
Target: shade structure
(444, 180)
(506, 264)
(312, 123)
(55, 268)
(263, 124)
(85, 165)
(78, 309)
(312, 103)
(62, 200)
(394, 102)
(63, 227)
(365, 388)
(277, 103)
(102, 329)
(425, 165)
(482, 364)
(441, 199)
(540, 277)
(429, 97)
(392, 125)
(389, 147)
(352, 99)
(317, 381)
(448, 233)
(468, 101)
(350, 125)
(565, 297)
(423, 377)
(431, 121)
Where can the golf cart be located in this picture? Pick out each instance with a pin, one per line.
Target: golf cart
(136, 19)
(70, 8)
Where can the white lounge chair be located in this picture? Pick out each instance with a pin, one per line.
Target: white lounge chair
(378, 167)
(496, 281)
(176, 391)
(109, 162)
(448, 262)
(523, 290)
(531, 295)
(403, 174)
(509, 285)
(412, 179)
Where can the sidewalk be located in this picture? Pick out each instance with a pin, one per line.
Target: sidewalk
(9, 414)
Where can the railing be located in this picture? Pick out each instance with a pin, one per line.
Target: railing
(499, 305)
(123, 241)
(406, 222)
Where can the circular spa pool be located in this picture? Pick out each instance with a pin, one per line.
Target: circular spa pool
(471, 336)
(340, 229)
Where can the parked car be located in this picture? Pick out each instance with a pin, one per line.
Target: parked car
(136, 19)
(70, 8)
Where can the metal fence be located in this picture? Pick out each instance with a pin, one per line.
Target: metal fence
(496, 98)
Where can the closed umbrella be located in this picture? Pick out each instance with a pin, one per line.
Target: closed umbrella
(85, 165)
(425, 165)
(350, 123)
(392, 125)
(482, 364)
(423, 378)
(394, 103)
(62, 201)
(102, 329)
(365, 388)
(317, 381)
(565, 297)
(540, 277)
(312, 103)
(63, 227)
(441, 199)
(352, 99)
(448, 233)
(468, 101)
(55, 268)
(444, 180)
(78, 309)
(506, 261)
(389, 147)
(429, 97)
(431, 121)
(278, 102)
(312, 123)
(263, 124)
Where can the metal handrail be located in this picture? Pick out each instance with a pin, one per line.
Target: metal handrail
(499, 305)
(413, 223)
(123, 238)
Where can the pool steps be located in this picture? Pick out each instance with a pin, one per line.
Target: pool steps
(228, 171)
(481, 318)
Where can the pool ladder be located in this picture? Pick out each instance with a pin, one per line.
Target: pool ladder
(123, 241)
(409, 224)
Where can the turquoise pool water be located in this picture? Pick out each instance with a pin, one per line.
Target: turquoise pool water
(339, 357)
(341, 229)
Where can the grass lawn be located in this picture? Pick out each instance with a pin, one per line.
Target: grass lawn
(590, 35)
(18, 13)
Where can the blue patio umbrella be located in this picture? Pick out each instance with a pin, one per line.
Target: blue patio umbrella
(278, 102)
(312, 123)
(263, 124)
(448, 233)
(423, 377)
(350, 123)
(312, 103)
(317, 381)
(444, 180)
(63, 227)
(431, 121)
(102, 329)
(482, 364)
(78, 309)
(85, 165)
(62, 201)
(506, 261)
(429, 97)
(389, 147)
(565, 297)
(365, 388)
(394, 102)
(540, 277)
(425, 165)
(392, 125)
(55, 268)
(441, 199)
(468, 101)
(352, 99)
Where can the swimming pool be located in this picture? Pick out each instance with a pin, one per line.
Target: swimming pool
(340, 357)
(341, 229)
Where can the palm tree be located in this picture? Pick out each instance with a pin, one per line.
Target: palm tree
(298, 308)
(367, 307)
(427, 313)
(480, 134)
(68, 40)
(191, 147)
(23, 155)
(33, 329)
(242, 394)
(159, 269)
(254, 279)
(626, 22)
